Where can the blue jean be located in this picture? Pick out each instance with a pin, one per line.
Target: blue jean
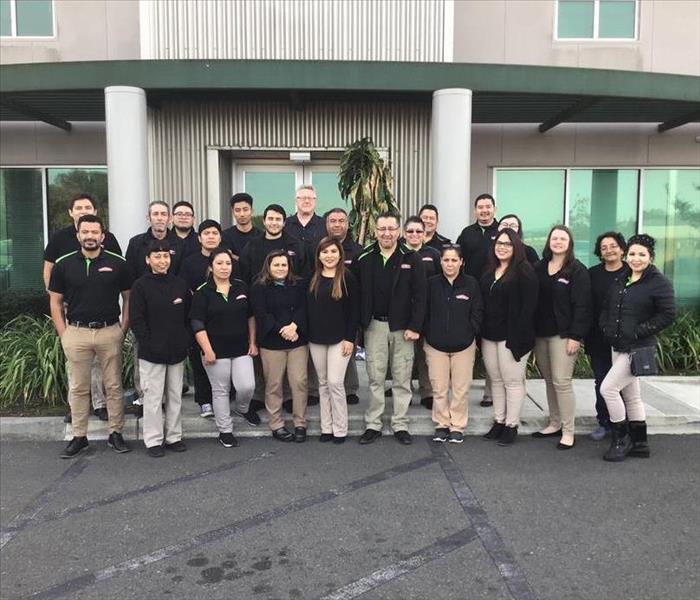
(601, 361)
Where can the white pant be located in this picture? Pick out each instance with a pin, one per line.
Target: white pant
(621, 391)
(222, 374)
(331, 366)
(162, 384)
(507, 380)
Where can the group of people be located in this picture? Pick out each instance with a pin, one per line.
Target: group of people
(298, 297)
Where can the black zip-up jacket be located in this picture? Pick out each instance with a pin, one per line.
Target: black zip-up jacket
(571, 299)
(137, 251)
(407, 304)
(476, 243)
(601, 281)
(431, 260)
(438, 241)
(253, 256)
(520, 293)
(453, 313)
(159, 306)
(633, 314)
(275, 306)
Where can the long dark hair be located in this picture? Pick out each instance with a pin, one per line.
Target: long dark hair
(569, 257)
(265, 278)
(518, 261)
(339, 286)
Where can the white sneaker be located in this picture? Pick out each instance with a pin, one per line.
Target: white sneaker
(206, 411)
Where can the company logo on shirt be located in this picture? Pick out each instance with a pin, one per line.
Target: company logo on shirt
(462, 297)
(177, 301)
(564, 281)
(405, 266)
(105, 269)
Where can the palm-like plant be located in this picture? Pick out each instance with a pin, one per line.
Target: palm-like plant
(365, 178)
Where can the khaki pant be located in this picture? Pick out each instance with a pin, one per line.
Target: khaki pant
(621, 391)
(507, 381)
(381, 345)
(80, 346)
(331, 366)
(557, 368)
(450, 371)
(274, 363)
(96, 392)
(162, 384)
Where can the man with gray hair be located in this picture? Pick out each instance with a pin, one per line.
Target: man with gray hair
(305, 224)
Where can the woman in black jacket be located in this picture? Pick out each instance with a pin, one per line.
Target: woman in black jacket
(333, 313)
(158, 307)
(636, 309)
(279, 304)
(562, 321)
(513, 222)
(453, 318)
(509, 291)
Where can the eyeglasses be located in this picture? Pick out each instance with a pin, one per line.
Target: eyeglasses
(386, 229)
(183, 214)
(414, 231)
(504, 244)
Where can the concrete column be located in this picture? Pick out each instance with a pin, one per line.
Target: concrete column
(127, 161)
(451, 131)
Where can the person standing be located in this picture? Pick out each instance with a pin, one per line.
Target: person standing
(392, 309)
(610, 248)
(636, 309)
(509, 289)
(224, 327)
(476, 239)
(279, 304)
(333, 316)
(305, 224)
(428, 214)
(183, 227)
(158, 312)
(453, 318)
(90, 282)
(562, 321)
(513, 222)
(158, 219)
(242, 231)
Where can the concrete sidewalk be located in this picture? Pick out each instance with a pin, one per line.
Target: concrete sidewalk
(672, 405)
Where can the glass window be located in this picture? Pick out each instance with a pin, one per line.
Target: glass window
(601, 200)
(63, 184)
(616, 19)
(21, 229)
(536, 196)
(272, 187)
(5, 18)
(327, 195)
(575, 19)
(32, 18)
(596, 19)
(672, 216)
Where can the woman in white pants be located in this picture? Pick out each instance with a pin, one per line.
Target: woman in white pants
(333, 314)
(509, 291)
(224, 327)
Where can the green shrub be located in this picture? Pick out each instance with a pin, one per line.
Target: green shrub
(14, 303)
(678, 350)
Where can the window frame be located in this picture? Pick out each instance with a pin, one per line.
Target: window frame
(596, 26)
(13, 25)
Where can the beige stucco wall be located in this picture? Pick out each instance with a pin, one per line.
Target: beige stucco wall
(85, 30)
(522, 32)
(32, 143)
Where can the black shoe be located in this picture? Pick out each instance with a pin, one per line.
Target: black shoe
(339, 439)
(326, 437)
(116, 442)
(256, 405)
(495, 432)
(441, 434)
(251, 417)
(455, 437)
(427, 402)
(486, 402)
(352, 399)
(300, 435)
(178, 446)
(227, 440)
(388, 393)
(101, 413)
(312, 400)
(155, 451)
(288, 406)
(282, 434)
(75, 447)
(403, 437)
(638, 437)
(620, 444)
(508, 436)
(135, 409)
(369, 436)
(539, 434)
(68, 418)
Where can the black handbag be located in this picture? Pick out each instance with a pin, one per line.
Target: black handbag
(643, 361)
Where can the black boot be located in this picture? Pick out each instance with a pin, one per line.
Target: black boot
(495, 432)
(638, 435)
(619, 444)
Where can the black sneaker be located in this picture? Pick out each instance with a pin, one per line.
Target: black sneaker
(339, 439)
(101, 413)
(155, 451)
(427, 402)
(441, 434)
(116, 442)
(455, 437)
(300, 435)
(282, 434)
(312, 400)
(352, 399)
(326, 437)
(251, 417)
(508, 436)
(227, 440)
(178, 446)
(75, 447)
(486, 402)
(403, 437)
(495, 432)
(369, 436)
(288, 406)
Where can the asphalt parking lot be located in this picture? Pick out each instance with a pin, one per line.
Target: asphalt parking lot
(294, 521)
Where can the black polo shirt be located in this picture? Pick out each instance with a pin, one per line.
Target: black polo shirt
(64, 241)
(225, 318)
(311, 233)
(235, 239)
(194, 270)
(91, 287)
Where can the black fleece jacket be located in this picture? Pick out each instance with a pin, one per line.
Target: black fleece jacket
(275, 306)
(256, 250)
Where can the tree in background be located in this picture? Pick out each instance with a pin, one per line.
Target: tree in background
(66, 183)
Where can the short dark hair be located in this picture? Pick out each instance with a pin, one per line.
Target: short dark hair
(242, 197)
(220, 250)
(183, 203)
(390, 214)
(643, 239)
(83, 196)
(91, 219)
(274, 208)
(413, 219)
(206, 224)
(337, 209)
(616, 235)
(159, 246)
(454, 247)
(429, 207)
(485, 197)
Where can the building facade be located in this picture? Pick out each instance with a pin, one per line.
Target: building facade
(579, 112)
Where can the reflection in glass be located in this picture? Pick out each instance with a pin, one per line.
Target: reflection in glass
(327, 194)
(66, 183)
(272, 188)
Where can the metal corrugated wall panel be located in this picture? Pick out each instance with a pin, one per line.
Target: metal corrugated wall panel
(180, 133)
(390, 30)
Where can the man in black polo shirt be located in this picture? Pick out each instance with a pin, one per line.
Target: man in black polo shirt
(90, 281)
(392, 309)
(306, 225)
(428, 213)
(183, 228)
(242, 231)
